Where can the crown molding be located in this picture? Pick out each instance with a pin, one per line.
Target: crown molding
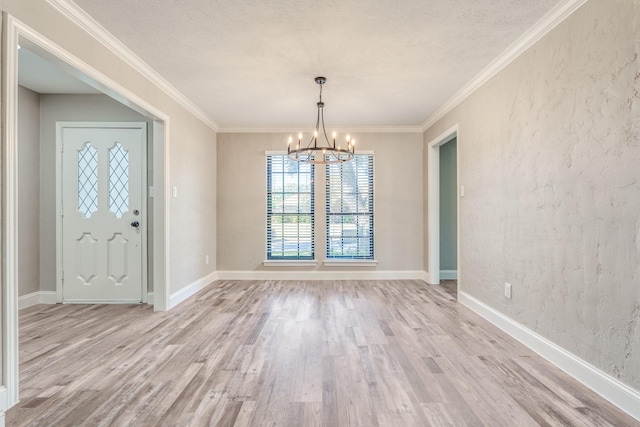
(547, 23)
(82, 19)
(294, 129)
(552, 19)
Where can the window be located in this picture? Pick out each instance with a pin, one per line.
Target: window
(350, 209)
(290, 220)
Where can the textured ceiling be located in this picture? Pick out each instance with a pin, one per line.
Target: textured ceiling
(41, 76)
(251, 64)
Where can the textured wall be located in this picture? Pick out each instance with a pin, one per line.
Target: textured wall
(28, 190)
(242, 199)
(448, 207)
(550, 159)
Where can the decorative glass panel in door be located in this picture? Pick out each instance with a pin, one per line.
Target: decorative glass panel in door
(87, 180)
(118, 180)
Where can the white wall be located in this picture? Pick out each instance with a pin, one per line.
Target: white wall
(242, 200)
(550, 159)
(28, 191)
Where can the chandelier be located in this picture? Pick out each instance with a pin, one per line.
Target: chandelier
(320, 149)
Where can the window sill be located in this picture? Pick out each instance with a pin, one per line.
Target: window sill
(288, 263)
(350, 263)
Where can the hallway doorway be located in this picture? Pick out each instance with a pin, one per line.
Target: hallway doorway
(448, 211)
(454, 191)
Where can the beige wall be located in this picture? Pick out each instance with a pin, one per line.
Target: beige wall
(72, 108)
(550, 157)
(194, 228)
(242, 200)
(28, 191)
(192, 143)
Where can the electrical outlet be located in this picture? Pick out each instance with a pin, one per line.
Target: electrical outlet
(507, 290)
(175, 191)
(462, 191)
(206, 259)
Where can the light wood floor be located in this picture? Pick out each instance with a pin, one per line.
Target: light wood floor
(288, 353)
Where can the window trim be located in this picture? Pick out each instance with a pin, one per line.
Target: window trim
(360, 262)
(286, 262)
(289, 263)
(350, 262)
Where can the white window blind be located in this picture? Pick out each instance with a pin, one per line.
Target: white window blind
(290, 221)
(350, 208)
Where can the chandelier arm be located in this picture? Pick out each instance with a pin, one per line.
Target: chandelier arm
(318, 119)
(317, 128)
(324, 131)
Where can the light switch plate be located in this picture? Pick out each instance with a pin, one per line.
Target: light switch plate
(507, 290)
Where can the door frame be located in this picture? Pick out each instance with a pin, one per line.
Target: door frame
(433, 203)
(14, 31)
(59, 191)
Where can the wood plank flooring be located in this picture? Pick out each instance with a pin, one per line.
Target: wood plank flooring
(290, 353)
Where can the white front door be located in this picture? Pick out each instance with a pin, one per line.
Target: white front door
(102, 211)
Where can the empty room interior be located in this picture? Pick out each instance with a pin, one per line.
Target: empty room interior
(357, 213)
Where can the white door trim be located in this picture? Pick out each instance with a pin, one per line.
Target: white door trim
(433, 203)
(59, 179)
(10, 211)
(15, 31)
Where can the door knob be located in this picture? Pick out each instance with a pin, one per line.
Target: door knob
(135, 224)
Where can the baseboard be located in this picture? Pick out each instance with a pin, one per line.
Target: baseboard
(448, 274)
(191, 289)
(426, 277)
(621, 395)
(150, 298)
(28, 300)
(3, 404)
(35, 298)
(319, 275)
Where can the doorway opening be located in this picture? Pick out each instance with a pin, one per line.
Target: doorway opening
(448, 216)
(18, 36)
(443, 227)
(448, 211)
